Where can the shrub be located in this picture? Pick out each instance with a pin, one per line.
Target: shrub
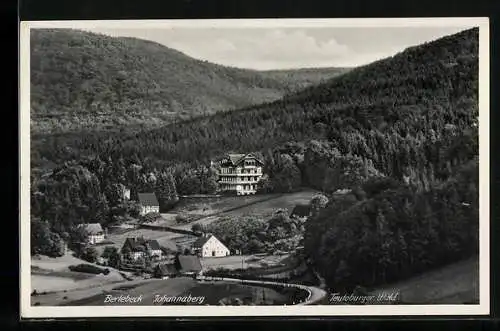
(182, 219)
(90, 254)
(88, 268)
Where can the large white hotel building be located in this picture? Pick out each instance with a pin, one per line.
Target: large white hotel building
(239, 173)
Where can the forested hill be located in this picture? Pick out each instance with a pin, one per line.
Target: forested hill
(86, 80)
(378, 111)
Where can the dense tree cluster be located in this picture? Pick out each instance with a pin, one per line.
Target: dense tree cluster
(394, 115)
(81, 79)
(251, 235)
(394, 231)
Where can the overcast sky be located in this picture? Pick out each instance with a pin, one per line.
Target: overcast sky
(272, 48)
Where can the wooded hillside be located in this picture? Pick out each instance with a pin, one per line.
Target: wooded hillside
(396, 112)
(393, 144)
(86, 80)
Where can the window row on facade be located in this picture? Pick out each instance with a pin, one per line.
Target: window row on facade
(241, 179)
(240, 171)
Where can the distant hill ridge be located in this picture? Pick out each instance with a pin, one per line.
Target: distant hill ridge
(417, 92)
(416, 85)
(86, 80)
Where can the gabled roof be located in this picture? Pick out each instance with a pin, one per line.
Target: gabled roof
(189, 263)
(203, 240)
(148, 199)
(92, 228)
(301, 210)
(140, 244)
(237, 158)
(153, 244)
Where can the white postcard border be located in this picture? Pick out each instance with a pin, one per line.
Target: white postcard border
(28, 311)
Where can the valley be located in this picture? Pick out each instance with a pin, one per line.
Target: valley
(370, 173)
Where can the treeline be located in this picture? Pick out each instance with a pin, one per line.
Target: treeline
(86, 80)
(385, 230)
(251, 235)
(395, 113)
(96, 190)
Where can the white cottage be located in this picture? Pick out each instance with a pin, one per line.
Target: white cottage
(149, 203)
(95, 233)
(210, 246)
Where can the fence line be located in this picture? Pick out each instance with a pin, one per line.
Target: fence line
(247, 281)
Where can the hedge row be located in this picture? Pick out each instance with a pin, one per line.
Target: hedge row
(88, 268)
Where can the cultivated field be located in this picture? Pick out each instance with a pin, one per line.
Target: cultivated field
(210, 206)
(245, 261)
(264, 208)
(258, 205)
(268, 207)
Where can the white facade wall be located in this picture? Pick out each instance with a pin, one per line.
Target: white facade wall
(136, 255)
(242, 179)
(156, 252)
(214, 248)
(149, 209)
(96, 238)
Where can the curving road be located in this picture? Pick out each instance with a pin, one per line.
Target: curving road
(314, 294)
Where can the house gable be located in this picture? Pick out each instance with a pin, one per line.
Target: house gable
(249, 156)
(214, 241)
(237, 159)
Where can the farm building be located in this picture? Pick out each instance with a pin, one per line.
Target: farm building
(135, 248)
(148, 203)
(301, 211)
(95, 233)
(210, 246)
(188, 265)
(239, 173)
(165, 271)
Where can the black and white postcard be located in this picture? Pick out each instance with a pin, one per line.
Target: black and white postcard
(260, 167)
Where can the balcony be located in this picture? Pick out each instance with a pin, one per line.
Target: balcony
(239, 180)
(240, 171)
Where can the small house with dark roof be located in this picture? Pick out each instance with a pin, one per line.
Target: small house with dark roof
(135, 248)
(165, 271)
(210, 246)
(188, 265)
(94, 231)
(148, 203)
(301, 211)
